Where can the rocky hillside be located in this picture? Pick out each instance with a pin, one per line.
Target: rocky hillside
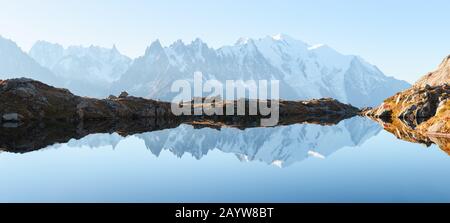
(425, 107)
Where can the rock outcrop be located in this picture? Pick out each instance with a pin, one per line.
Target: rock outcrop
(425, 107)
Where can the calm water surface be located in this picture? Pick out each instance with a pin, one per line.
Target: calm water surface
(354, 161)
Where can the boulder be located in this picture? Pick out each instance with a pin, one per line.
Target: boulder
(383, 113)
(426, 110)
(11, 117)
(112, 97)
(124, 94)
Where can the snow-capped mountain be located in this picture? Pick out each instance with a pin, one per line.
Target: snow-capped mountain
(86, 70)
(281, 146)
(304, 71)
(15, 63)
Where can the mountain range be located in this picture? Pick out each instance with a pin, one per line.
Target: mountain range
(304, 71)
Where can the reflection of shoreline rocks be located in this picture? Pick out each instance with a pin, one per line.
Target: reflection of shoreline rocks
(424, 108)
(37, 135)
(405, 133)
(30, 136)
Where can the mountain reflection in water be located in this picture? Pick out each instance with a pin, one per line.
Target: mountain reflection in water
(292, 141)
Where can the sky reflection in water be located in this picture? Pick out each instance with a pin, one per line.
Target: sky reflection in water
(354, 161)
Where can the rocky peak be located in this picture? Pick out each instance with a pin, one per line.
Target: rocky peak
(124, 94)
(198, 46)
(242, 41)
(281, 37)
(46, 54)
(114, 48)
(154, 49)
(445, 62)
(178, 45)
(7, 43)
(438, 77)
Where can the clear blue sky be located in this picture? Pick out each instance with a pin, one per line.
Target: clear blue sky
(404, 39)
